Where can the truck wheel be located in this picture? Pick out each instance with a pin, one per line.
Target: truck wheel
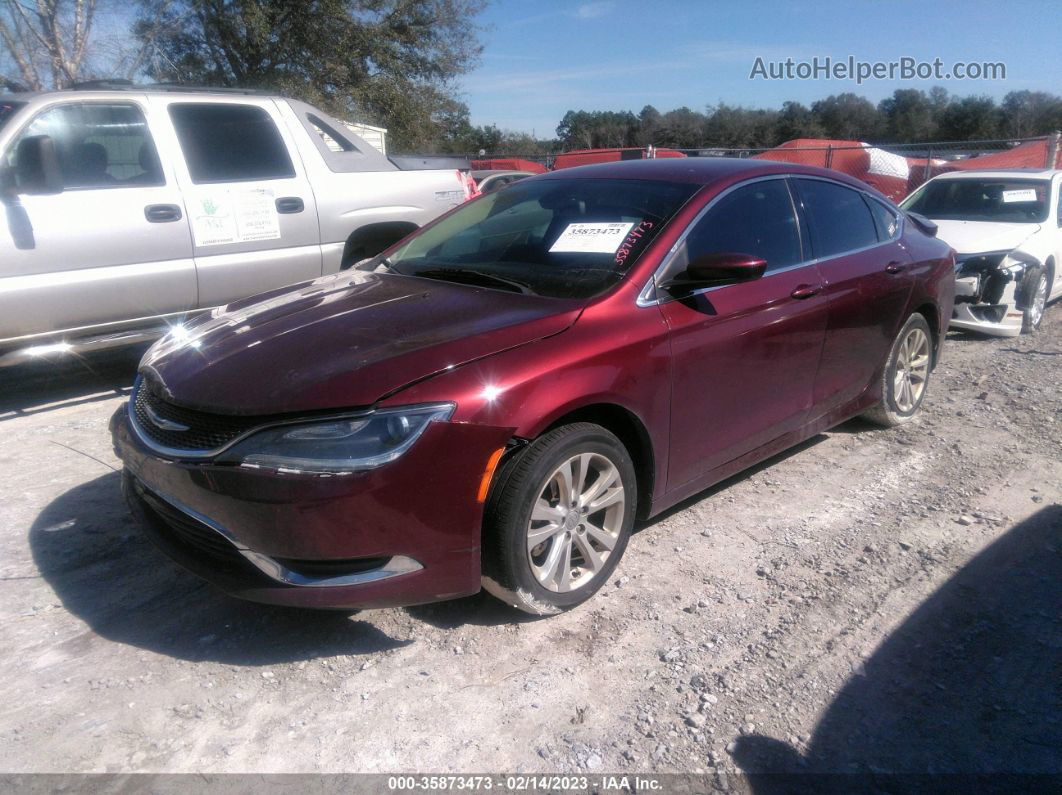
(906, 374)
(1033, 291)
(558, 520)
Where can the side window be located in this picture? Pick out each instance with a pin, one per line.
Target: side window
(839, 218)
(98, 145)
(1060, 205)
(885, 220)
(334, 140)
(757, 219)
(230, 143)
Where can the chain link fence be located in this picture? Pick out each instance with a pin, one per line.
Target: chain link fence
(894, 169)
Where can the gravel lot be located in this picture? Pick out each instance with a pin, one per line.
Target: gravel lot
(870, 601)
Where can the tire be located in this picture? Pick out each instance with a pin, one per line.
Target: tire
(1032, 297)
(571, 559)
(905, 378)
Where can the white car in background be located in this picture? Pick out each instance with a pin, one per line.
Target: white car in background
(1005, 227)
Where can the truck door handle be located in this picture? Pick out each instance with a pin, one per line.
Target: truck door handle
(289, 205)
(162, 213)
(895, 267)
(806, 291)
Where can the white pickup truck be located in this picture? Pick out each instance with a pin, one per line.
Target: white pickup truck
(126, 209)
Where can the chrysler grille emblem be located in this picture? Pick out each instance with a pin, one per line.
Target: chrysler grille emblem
(162, 422)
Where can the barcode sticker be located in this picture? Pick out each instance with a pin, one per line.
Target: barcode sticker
(592, 238)
(1023, 195)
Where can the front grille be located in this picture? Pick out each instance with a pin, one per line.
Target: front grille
(192, 534)
(205, 431)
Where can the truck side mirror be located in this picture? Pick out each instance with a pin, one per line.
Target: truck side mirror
(37, 166)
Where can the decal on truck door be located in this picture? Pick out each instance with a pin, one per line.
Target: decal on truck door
(233, 216)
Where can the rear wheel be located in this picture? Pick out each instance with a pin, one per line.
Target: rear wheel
(1034, 288)
(559, 519)
(906, 374)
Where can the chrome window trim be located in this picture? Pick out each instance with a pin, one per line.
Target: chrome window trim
(648, 296)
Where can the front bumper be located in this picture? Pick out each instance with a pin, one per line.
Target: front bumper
(1003, 319)
(405, 533)
(981, 318)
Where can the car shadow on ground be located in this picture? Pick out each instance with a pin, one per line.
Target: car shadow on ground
(46, 385)
(969, 685)
(88, 548)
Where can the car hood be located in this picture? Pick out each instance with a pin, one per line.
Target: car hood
(976, 237)
(342, 341)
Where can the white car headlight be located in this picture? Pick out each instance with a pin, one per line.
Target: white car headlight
(338, 445)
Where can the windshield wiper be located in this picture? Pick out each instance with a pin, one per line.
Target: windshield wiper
(463, 276)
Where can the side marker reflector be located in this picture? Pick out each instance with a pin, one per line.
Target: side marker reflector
(488, 473)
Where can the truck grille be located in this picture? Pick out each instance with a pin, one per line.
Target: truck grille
(179, 428)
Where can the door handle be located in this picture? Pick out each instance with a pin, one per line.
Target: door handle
(806, 291)
(162, 213)
(289, 205)
(895, 267)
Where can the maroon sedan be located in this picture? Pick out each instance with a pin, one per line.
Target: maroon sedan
(495, 400)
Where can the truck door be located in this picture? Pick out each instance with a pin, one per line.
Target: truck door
(252, 213)
(113, 245)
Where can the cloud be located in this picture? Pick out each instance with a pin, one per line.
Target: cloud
(595, 10)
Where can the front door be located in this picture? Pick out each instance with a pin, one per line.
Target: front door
(114, 245)
(744, 356)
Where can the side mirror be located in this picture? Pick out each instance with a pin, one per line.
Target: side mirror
(714, 270)
(37, 166)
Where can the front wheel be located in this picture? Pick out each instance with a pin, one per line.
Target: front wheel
(558, 519)
(906, 375)
(1034, 288)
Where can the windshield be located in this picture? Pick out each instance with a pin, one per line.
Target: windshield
(1018, 201)
(562, 238)
(7, 110)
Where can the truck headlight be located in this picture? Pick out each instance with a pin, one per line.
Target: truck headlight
(338, 445)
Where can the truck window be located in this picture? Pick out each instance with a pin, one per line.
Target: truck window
(99, 145)
(333, 140)
(230, 143)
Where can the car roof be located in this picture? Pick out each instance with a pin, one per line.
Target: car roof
(699, 170)
(1001, 173)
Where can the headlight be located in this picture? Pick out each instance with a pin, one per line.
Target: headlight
(338, 445)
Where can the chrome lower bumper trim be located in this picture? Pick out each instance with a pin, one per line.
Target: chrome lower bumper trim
(395, 566)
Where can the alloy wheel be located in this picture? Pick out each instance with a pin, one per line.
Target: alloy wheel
(1039, 301)
(912, 370)
(575, 522)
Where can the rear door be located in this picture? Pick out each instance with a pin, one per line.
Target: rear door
(867, 277)
(744, 356)
(114, 245)
(252, 213)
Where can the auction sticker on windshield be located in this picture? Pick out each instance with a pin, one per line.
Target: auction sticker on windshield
(1023, 195)
(591, 238)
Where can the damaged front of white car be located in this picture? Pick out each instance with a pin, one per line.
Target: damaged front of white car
(1004, 226)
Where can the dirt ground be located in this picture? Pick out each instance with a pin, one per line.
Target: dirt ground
(870, 601)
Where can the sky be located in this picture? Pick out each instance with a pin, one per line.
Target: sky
(546, 57)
